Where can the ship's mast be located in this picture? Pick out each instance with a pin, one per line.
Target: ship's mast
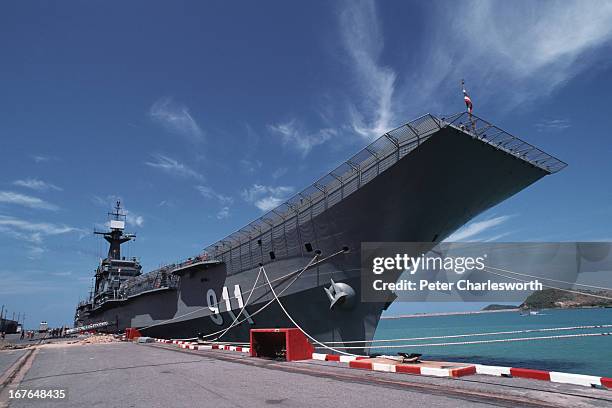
(116, 236)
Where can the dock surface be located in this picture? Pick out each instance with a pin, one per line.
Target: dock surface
(153, 375)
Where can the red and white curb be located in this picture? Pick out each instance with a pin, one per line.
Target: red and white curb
(413, 369)
(552, 376)
(356, 362)
(335, 357)
(195, 346)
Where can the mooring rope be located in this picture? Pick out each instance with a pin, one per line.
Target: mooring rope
(296, 277)
(460, 343)
(322, 345)
(233, 324)
(499, 333)
(239, 313)
(296, 272)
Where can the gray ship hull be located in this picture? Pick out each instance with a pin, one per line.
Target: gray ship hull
(425, 196)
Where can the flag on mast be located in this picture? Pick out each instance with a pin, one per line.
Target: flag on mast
(467, 99)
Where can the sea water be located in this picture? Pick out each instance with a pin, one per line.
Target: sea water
(581, 355)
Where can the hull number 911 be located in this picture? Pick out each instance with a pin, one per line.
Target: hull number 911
(215, 306)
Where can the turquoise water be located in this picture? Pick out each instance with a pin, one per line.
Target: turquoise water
(583, 355)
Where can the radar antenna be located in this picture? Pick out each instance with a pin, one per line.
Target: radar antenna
(115, 237)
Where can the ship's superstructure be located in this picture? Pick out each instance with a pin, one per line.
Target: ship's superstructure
(114, 269)
(417, 183)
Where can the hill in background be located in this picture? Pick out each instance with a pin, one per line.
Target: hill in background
(554, 298)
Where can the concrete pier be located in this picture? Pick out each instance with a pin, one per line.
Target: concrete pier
(155, 375)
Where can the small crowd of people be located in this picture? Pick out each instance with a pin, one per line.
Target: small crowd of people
(27, 334)
(24, 334)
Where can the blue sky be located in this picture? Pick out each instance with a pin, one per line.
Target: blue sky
(202, 115)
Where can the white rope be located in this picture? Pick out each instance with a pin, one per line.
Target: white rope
(297, 275)
(263, 307)
(241, 310)
(206, 307)
(269, 302)
(459, 343)
(599, 326)
(297, 325)
(549, 279)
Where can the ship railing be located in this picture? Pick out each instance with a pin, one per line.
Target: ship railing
(325, 192)
(248, 246)
(499, 138)
(182, 263)
(83, 303)
(150, 281)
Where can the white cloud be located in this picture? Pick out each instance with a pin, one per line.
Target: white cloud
(294, 136)
(223, 213)
(36, 184)
(546, 125)
(496, 237)
(537, 49)
(133, 219)
(473, 229)
(30, 231)
(280, 172)
(176, 118)
(224, 201)
(251, 166)
(174, 167)
(266, 198)
(208, 192)
(363, 41)
(39, 158)
(36, 252)
(511, 54)
(28, 283)
(10, 197)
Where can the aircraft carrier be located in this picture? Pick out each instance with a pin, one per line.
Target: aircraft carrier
(417, 183)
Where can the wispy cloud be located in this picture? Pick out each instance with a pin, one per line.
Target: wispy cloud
(293, 135)
(224, 201)
(208, 192)
(266, 198)
(31, 231)
(223, 213)
(173, 167)
(363, 41)
(10, 197)
(497, 237)
(36, 252)
(40, 158)
(471, 230)
(530, 55)
(251, 166)
(509, 65)
(552, 125)
(280, 172)
(30, 282)
(36, 184)
(134, 219)
(176, 118)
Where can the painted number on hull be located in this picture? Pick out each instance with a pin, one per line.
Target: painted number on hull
(213, 305)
